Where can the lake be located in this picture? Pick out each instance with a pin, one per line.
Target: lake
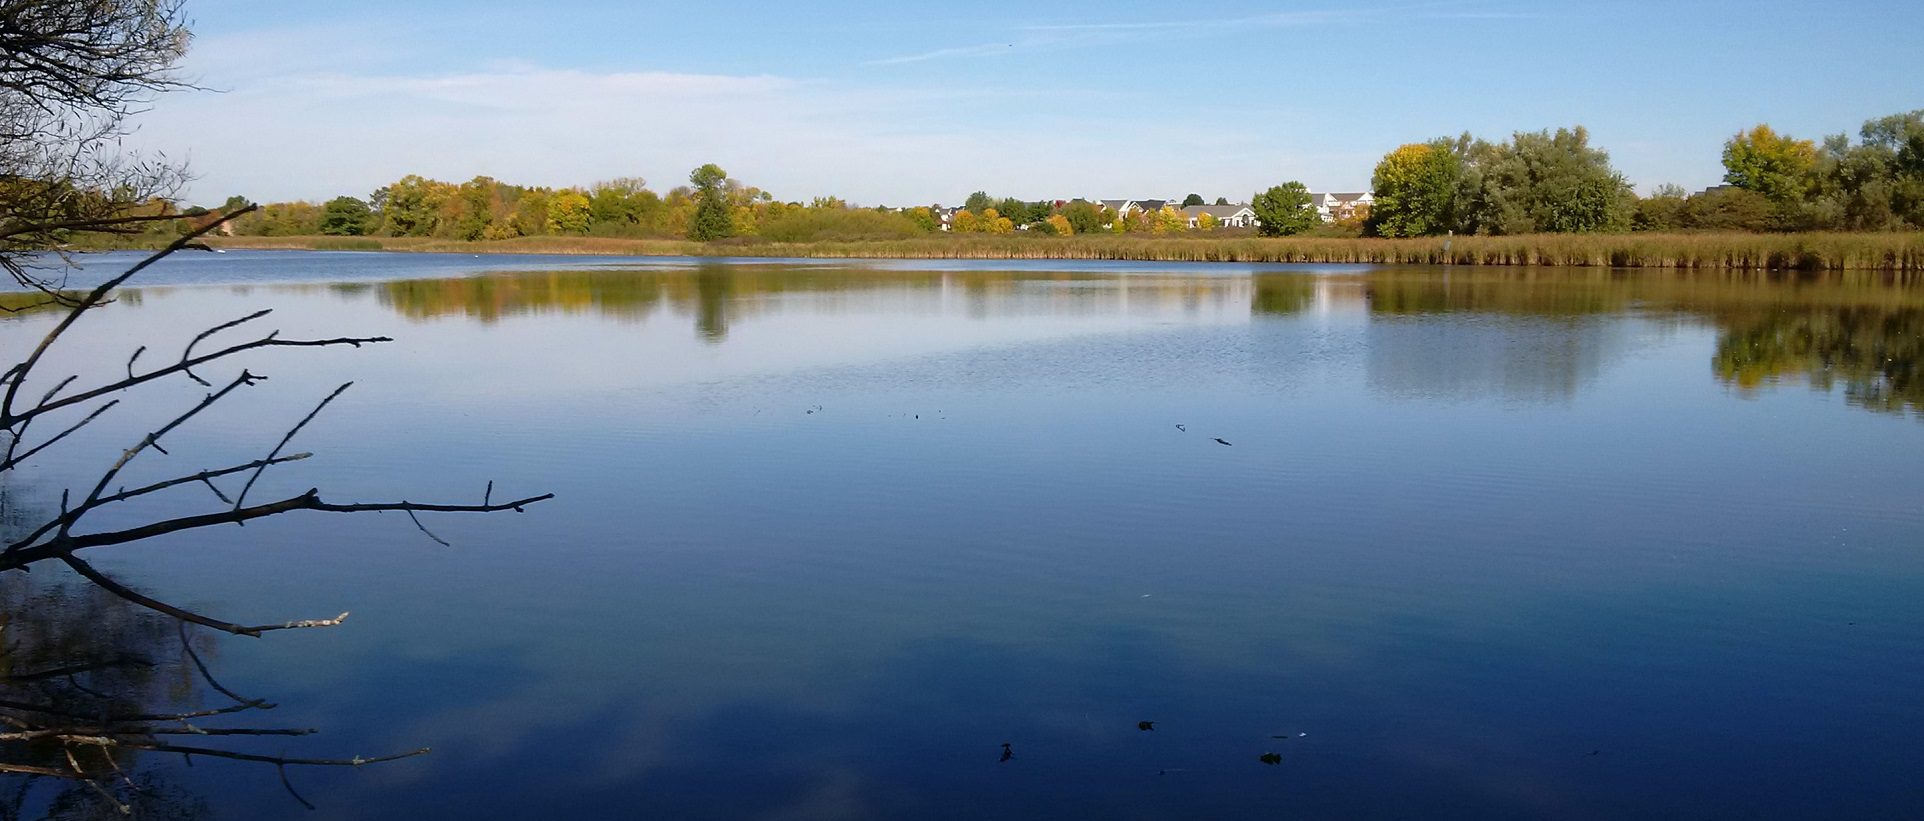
(1451, 543)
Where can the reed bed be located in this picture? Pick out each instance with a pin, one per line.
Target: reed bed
(1901, 253)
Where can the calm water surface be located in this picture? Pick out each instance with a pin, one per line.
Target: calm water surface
(1480, 543)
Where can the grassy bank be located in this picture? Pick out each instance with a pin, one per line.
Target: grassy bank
(1896, 252)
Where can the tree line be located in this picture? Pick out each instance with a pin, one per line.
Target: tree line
(1545, 182)
(1534, 182)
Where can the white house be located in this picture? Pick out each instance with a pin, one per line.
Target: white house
(1227, 216)
(1332, 207)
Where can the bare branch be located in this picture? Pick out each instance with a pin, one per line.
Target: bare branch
(86, 570)
(91, 299)
(28, 769)
(188, 352)
(265, 342)
(205, 476)
(424, 529)
(22, 554)
(289, 785)
(188, 645)
(242, 497)
(11, 459)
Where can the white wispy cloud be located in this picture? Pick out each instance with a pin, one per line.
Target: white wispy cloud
(314, 135)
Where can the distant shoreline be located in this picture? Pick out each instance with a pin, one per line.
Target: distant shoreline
(1885, 252)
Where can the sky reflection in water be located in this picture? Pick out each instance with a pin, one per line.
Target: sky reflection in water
(828, 534)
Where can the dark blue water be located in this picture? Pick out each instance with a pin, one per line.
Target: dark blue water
(1481, 544)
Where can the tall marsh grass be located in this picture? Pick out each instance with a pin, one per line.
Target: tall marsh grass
(1901, 253)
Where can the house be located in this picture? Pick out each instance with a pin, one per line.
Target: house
(1123, 208)
(1333, 207)
(1227, 216)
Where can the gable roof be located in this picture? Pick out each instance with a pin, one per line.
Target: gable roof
(1217, 211)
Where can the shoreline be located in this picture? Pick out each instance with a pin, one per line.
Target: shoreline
(1813, 252)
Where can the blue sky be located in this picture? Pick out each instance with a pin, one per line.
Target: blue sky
(903, 103)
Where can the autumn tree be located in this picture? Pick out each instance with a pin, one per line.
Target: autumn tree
(1775, 165)
(413, 207)
(1168, 219)
(923, 217)
(992, 222)
(1284, 210)
(568, 212)
(1415, 189)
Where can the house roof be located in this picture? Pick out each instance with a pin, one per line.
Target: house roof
(1217, 211)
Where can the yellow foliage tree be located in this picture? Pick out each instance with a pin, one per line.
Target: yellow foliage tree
(1206, 222)
(965, 222)
(568, 213)
(1169, 220)
(993, 222)
(1061, 224)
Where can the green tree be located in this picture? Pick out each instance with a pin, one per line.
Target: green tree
(345, 217)
(1085, 217)
(1192, 199)
(1545, 182)
(1222, 200)
(1900, 137)
(1730, 209)
(1284, 210)
(623, 207)
(713, 218)
(977, 201)
(1415, 189)
(1663, 210)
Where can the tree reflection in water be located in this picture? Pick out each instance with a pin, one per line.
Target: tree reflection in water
(76, 663)
(90, 681)
(1872, 351)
